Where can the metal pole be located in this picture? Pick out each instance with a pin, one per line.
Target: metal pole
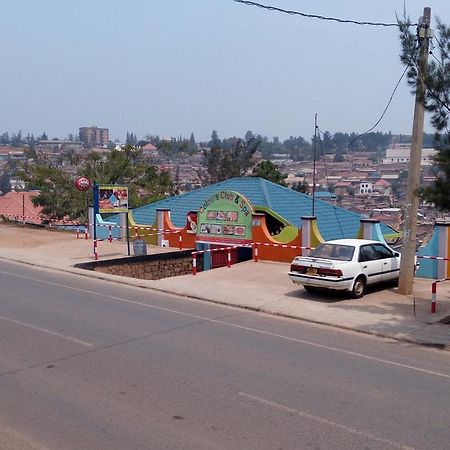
(314, 166)
(128, 234)
(433, 297)
(96, 210)
(406, 277)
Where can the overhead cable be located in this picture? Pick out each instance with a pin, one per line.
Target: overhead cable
(320, 17)
(384, 111)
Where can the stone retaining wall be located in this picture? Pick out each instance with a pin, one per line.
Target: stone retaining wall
(147, 267)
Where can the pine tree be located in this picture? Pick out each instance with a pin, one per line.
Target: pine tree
(437, 101)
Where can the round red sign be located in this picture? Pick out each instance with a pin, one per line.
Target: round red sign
(82, 183)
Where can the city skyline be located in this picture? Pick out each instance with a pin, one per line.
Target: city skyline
(172, 68)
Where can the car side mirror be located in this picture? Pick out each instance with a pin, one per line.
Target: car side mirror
(396, 254)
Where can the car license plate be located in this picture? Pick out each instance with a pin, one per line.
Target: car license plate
(311, 271)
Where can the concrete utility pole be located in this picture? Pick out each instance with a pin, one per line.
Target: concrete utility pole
(406, 278)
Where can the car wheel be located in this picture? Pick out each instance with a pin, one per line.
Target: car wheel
(359, 287)
(310, 289)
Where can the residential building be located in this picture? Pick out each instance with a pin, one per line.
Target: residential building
(400, 153)
(365, 187)
(57, 146)
(8, 153)
(382, 186)
(92, 136)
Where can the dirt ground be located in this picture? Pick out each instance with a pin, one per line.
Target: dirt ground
(19, 236)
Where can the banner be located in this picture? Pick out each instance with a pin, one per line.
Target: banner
(113, 198)
(225, 218)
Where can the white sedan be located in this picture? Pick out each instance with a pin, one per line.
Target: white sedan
(346, 264)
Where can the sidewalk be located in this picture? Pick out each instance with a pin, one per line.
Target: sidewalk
(262, 286)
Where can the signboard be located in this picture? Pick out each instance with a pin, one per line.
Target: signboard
(225, 218)
(83, 184)
(112, 198)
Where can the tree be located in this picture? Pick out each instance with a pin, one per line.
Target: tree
(155, 185)
(436, 77)
(192, 143)
(4, 138)
(57, 195)
(59, 198)
(131, 139)
(269, 171)
(5, 185)
(227, 159)
(301, 186)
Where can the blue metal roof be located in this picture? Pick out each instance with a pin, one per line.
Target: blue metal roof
(333, 222)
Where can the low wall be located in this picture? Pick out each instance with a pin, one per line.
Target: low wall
(147, 267)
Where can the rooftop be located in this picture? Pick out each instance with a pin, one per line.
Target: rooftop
(334, 222)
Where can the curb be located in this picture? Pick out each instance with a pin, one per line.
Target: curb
(137, 284)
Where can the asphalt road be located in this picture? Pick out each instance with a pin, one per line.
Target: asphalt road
(88, 364)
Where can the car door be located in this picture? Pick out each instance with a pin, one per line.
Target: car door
(370, 264)
(389, 262)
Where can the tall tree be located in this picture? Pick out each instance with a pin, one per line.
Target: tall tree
(227, 159)
(5, 185)
(437, 101)
(60, 199)
(57, 195)
(301, 186)
(269, 171)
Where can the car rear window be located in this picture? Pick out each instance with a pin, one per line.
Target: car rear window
(334, 251)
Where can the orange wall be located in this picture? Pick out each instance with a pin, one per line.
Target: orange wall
(271, 253)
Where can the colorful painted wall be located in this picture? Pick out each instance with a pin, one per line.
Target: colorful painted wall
(438, 246)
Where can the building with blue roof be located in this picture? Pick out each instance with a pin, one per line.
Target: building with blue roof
(333, 222)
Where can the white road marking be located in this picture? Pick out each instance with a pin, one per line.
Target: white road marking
(242, 327)
(45, 330)
(323, 421)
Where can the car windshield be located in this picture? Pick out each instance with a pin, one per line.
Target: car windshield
(334, 251)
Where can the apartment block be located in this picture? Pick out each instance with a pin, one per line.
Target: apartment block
(92, 136)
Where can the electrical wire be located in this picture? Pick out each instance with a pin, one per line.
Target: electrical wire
(384, 111)
(432, 93)
(317, 16)
(444, 51)
(436, 59)
(328, 183)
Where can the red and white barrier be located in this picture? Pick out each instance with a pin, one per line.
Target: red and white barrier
(194, 263)
(270, 244)
(434, 293)
(440, 258)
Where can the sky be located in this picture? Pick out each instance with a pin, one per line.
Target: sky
(172, 67)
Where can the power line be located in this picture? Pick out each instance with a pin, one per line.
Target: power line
(317, 16)
(428, 88)
(436, 59)
(328, 184)
(384, 111)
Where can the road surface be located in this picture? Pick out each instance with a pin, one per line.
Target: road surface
(90, 364)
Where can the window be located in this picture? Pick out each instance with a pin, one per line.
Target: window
(382, 251)
(334, 251)
(367, 253)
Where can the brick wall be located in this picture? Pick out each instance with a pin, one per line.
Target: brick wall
(147, 267)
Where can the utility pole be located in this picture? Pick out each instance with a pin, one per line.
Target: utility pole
(406, 277)
(314, 168)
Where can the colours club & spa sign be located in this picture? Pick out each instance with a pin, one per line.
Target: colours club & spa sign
(225, 218)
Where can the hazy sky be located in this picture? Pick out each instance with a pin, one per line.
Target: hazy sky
(172, 67)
